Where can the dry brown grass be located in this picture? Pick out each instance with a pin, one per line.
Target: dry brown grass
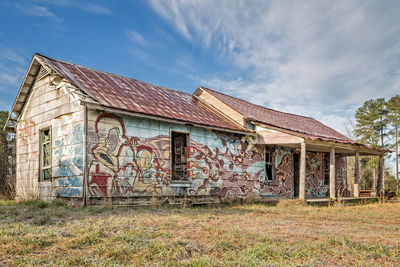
(36, 233)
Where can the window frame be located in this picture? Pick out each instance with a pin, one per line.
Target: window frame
(172, 132)
(270, 150)
(327, 167)
(43, 168)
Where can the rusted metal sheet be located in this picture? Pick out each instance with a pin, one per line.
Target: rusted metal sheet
(306, 126)
(128, 94)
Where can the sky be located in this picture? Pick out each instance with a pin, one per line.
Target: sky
(315, 58)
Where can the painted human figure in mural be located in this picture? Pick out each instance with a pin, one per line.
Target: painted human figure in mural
(124, 165)
(105, 166)
(149, 175)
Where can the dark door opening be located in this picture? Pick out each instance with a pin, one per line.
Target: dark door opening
(296, 173)
(179, 143)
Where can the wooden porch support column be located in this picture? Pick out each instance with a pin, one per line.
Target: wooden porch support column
(380, 183)
(332, 173)
(357, 174)
(302, 180)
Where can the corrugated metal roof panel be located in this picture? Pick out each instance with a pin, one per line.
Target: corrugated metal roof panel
(132, 95)
(305, 126)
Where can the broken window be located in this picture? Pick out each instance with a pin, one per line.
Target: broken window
(179, 160)
(269, 163)
(45, 155)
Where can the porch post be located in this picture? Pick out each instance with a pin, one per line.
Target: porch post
(302, 180)
(380, 183)
(332, 173)
(357, 174)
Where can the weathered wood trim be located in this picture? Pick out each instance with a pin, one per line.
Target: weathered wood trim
(380, 182)
(332, 174)
(220, 107)
(357, 174)
(302, 174)
(85, 151)
(272, 137)
(346, 149)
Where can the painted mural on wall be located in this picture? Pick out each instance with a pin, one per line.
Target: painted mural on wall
(315, 172)
(233, 166)
(283, 185)
(123, 165)
(218, 163)
(68, 174)
(341, 175)
(315, 187)
(27, 159)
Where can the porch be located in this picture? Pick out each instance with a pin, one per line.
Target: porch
(304, 145)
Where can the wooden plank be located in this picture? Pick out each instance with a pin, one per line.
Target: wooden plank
(275, 137)
(302, 182)
(380, 183)
(332, 189)
(357, 174)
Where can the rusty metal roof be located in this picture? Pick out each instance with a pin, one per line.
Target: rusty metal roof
(300, 125)
(128, 94)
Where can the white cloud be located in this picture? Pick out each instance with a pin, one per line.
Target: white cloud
(8, 78)
(313, 58)
(94, 8)
(8, 54)
(12, 68)
(137, 38)
(90, 7)
(35, 10)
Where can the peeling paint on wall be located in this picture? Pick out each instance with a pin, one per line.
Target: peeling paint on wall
(283, 186)
(69, 154)
(341, 175)
(26, 129)
(315, 187)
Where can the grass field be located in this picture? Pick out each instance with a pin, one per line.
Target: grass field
(37, 233)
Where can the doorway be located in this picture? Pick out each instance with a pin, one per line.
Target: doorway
(179, 160)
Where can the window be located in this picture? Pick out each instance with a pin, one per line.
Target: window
(179, 143)
(45, 155)
(269, 163)
(326, 169)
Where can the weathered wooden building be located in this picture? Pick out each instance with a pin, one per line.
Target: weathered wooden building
(89, 136)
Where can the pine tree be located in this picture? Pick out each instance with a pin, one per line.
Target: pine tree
(393, 109)
(371, 122)
(371, 126)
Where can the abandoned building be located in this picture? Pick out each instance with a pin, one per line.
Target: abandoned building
(89, 136)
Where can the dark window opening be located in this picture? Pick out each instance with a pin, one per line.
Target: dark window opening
(179, 158)
(269, 163)
(326, 169)
(45, 155)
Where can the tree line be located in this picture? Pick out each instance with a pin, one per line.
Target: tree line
(7, 160)
(378, 125)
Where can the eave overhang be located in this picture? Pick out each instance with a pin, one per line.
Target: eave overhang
(24, 91)
(321, 144)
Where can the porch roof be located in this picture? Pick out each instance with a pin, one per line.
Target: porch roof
(277, 136)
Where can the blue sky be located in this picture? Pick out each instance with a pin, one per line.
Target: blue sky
(313, 58)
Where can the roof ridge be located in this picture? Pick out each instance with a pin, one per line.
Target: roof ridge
(105, 72)
(258, 104)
